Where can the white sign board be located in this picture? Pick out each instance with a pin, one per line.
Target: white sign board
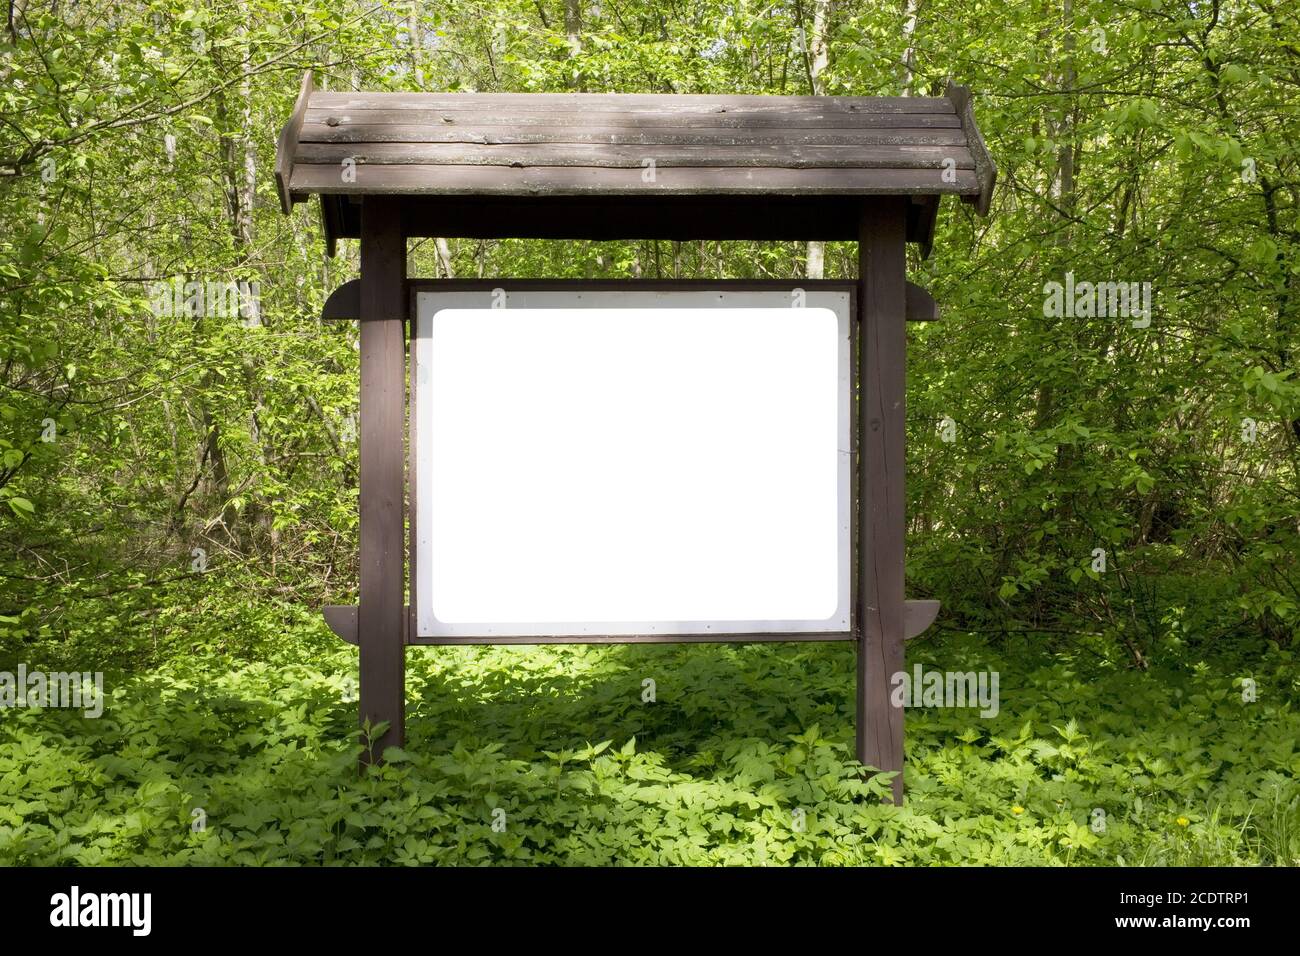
(631, 462)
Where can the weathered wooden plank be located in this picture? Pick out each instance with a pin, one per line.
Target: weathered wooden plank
(552, 120)
(353, 132)
(676, 103)
(592, 216)
(893, 156)
(344, 303)
(882, 264)
(636, 120)
(287, 144)
(577, 181)
(418, 285)
(636, 157)
(984, 165)
(382, 473)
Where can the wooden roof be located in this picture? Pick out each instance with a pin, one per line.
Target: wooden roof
(630, 166)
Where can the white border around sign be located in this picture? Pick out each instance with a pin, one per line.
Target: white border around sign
(430, 303)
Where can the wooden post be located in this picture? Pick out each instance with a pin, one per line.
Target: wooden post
(382, 487)
(882, 272)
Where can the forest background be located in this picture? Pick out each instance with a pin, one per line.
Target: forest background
(1147, 702)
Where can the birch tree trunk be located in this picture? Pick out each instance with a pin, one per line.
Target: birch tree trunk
(414, 34)
(909, 54)
(573, 25)
(573, 31)
(417, 42)
(818, 57)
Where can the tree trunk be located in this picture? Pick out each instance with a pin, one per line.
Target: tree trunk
(818, 57)
(909, 55)
(417, 43)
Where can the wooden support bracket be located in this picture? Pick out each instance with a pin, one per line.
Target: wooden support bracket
(919, 305)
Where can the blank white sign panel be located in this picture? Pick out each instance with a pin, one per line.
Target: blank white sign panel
(631, 462)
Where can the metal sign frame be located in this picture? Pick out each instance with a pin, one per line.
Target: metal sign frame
(836, 297)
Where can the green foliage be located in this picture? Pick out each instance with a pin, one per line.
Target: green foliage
(743, 758)
(178, 491)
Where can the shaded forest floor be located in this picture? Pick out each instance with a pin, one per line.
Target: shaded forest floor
(216, 754)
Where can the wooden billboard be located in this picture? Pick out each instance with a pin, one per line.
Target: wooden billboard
(786, 528)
